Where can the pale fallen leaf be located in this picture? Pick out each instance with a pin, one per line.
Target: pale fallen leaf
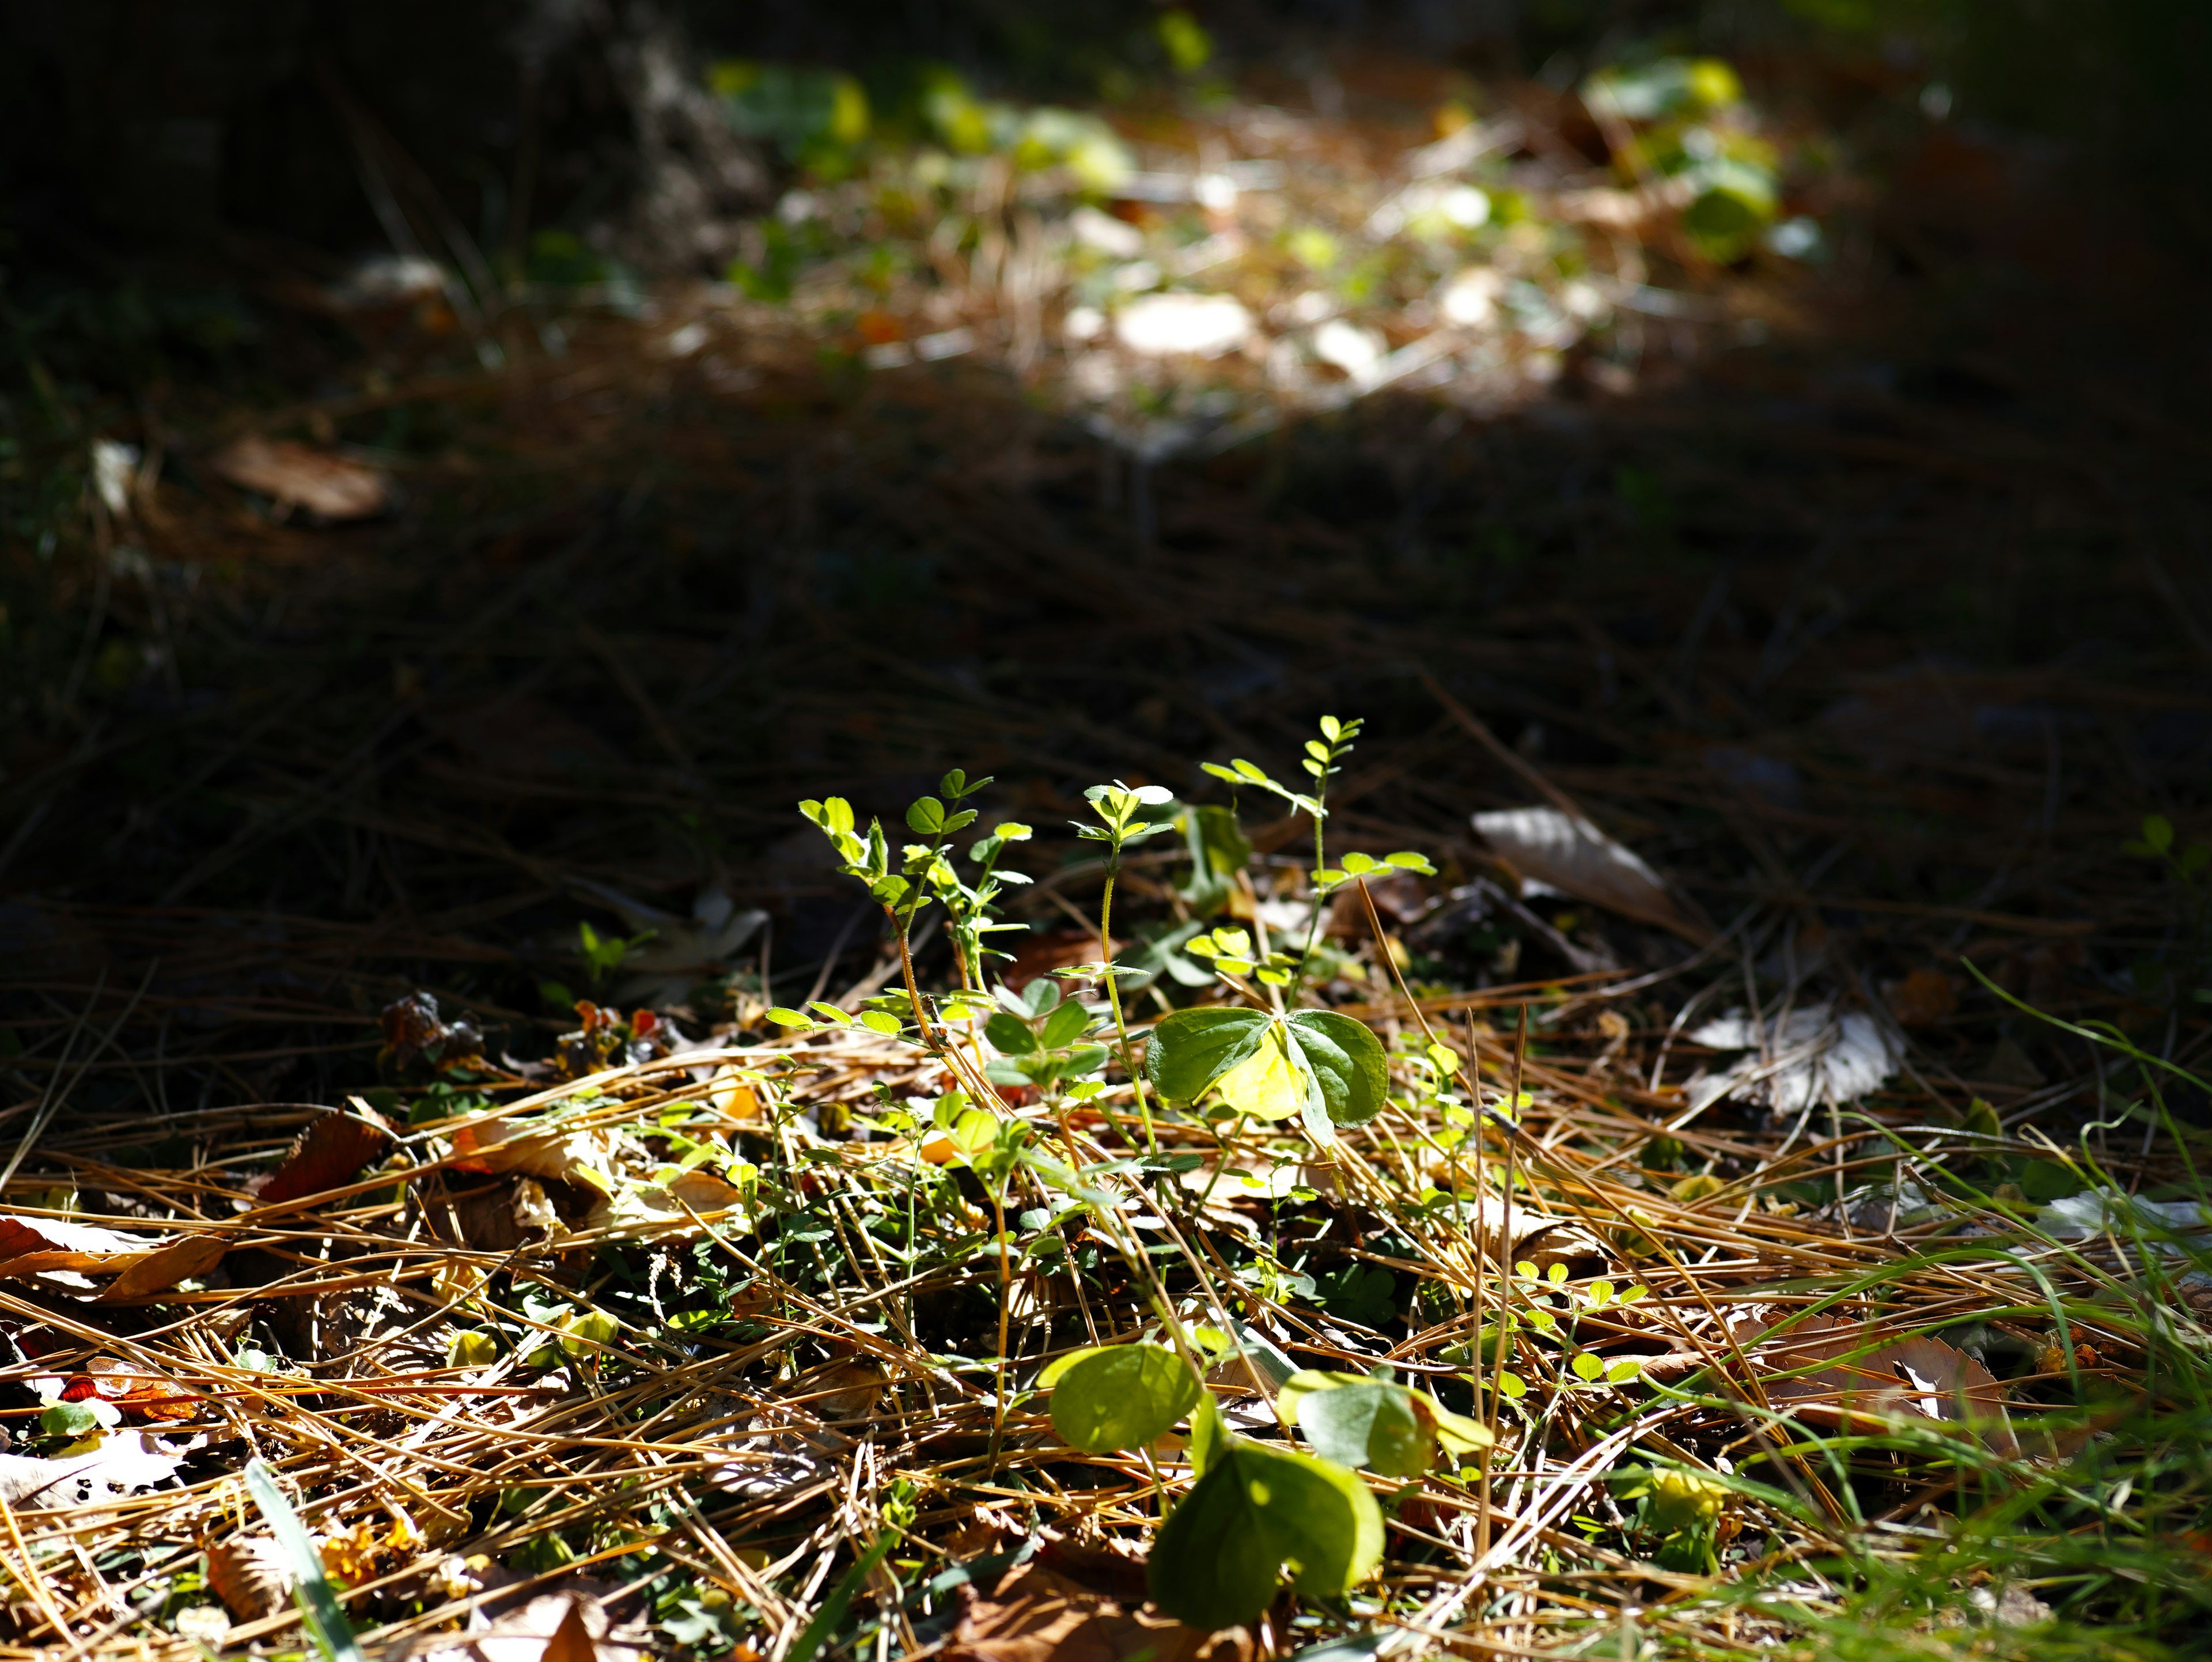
(205, 1623)
(1171, 324)
(1575, 857)
(124, 1462)
(334, 487)
(1813, 1055)
(680, 951)
(2170, 1228)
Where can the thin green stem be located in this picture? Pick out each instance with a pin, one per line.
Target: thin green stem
(1114, 1000)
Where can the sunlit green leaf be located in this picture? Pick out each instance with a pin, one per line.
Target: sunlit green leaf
(1256, 1514)
(1119, 1396)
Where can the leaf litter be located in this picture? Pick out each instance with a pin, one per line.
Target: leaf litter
(595, 1317)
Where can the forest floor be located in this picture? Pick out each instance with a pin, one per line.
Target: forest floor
(394, 908)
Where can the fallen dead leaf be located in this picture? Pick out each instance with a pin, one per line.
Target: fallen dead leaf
(251, 1575)
(841, 1391)
(1575, 857)
(179, 1261)
(1039, 1614)
(330, 1152)
(1918, 1378)
(136, 1390)
(125, 1462)
(334, 487)
(572, 1640)
(535, 1633)
(534, 1151)
(1925, 997)
(31, 1246)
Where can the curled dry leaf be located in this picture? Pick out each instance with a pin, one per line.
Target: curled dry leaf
(31, 1246)
(841, 1391)
(334, 487)
(1831, 1371)
(535, 1151)
(163, 1268)
(1575, 857)
(251, 1573)
(125, 1462)
(1812, 1057)
(329, 1153)
(1036, 1614)
(568, 1625)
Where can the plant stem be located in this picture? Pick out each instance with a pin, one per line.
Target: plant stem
(929, 1040)
(1114, 999)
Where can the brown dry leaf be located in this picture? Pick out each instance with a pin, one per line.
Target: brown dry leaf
(1921, 1378)
(1040, 954)
(179, 1261)
(534, 1633)
(572, 1640)
(334, 487)
(1038, 1614)
(1577, 858)
(31, 1246)
(534, 1151)
(1542, 1240)
(702, 1191)
(125, 1462)
(1923, 997)
(251, 1575)
(331, 1151)
(842, 1391)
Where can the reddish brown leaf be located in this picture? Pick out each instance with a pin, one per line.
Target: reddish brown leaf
(1926, 996)
(572, 1640)
(329, 1152)
(30, 1246)
(133, 1388)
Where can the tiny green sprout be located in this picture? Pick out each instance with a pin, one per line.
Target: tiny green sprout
(1556, 1274)
(1127, 813)
(1443, 1059)
(1599, 1294)
(1587, 1367)
(1525, 1270)
(2157, 837)
(1512, 1386)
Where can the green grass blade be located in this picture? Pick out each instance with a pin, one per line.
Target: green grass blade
(318, 1602)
